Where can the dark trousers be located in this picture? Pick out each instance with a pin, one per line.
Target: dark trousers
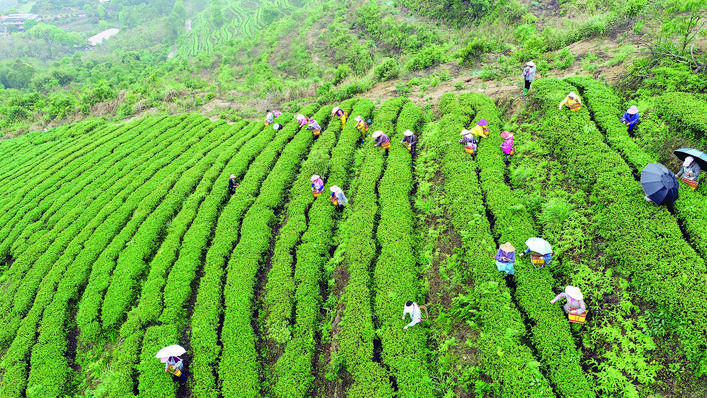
(527, 84)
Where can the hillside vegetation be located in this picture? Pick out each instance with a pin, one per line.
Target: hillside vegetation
(118, 235)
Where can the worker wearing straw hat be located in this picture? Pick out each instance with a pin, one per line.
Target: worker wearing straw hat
(572, 101)
(528, 75)
(480, 130)
(505, 258)
(630, 118)
(410, 141)
(381, 139)
(232, 185)
(317, 184)
(575, 300)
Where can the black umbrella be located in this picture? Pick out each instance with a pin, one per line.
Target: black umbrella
(659, 184)
(700, 157)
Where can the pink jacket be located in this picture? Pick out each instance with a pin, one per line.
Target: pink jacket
(507, 146)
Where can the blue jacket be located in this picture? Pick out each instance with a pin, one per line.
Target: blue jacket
(631, 119)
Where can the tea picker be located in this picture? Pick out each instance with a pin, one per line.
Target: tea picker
(341, 114)
(317, 185)
(505, 258)
(694, 161)
(574, 308)
(413, 309)
(170, 356)
(630, 117)
(572, 101)
(541, 252)
(338, 198)
(270, 116)
(314, 127)
(507, 146)
(302, 119)
(381, 139)
(232, 184)
(410, 141)
(470, 143)
(528, 75)
(480, 130)
(362, 127)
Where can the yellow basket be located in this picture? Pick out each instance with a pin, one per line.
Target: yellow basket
(334, 202)
(469, 150)
(316, 194)
(316, 132)
(577, 318)
(575, 107)
(537, 260)
(692, 184)
(408, 146)
(385, 145)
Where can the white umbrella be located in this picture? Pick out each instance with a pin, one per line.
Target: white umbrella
(538, 245)
(171, 351)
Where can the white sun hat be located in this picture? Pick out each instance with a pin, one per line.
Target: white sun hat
(574, 292)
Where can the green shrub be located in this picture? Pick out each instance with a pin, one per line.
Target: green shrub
(429, 56)
(555, 211)
(473, 50)
(342, 72)
(564, 59)
(388, 69)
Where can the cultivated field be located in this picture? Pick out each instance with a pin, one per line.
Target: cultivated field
(118, 240)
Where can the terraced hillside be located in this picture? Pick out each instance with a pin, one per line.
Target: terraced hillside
(118, 240)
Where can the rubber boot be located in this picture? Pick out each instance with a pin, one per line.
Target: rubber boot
(525, 91)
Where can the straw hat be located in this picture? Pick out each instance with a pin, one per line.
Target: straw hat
(572, 94)
(465, 132)
(632, 110)
(506, 135)
(688, 161)
(507, 247)
(336, 108)
(335, 188)
(314, 177)
(358, 119)
(233, 176)
(530, 63)
(377, 134)
(574, 292)
(483, 122)
(407, 133)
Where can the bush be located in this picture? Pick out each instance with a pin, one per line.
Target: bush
(474, 50)
(342, 72)
(388, 69)
(564, 59)
(429, 56)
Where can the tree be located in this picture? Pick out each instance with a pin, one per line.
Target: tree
(682, 25)
(684, 21)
